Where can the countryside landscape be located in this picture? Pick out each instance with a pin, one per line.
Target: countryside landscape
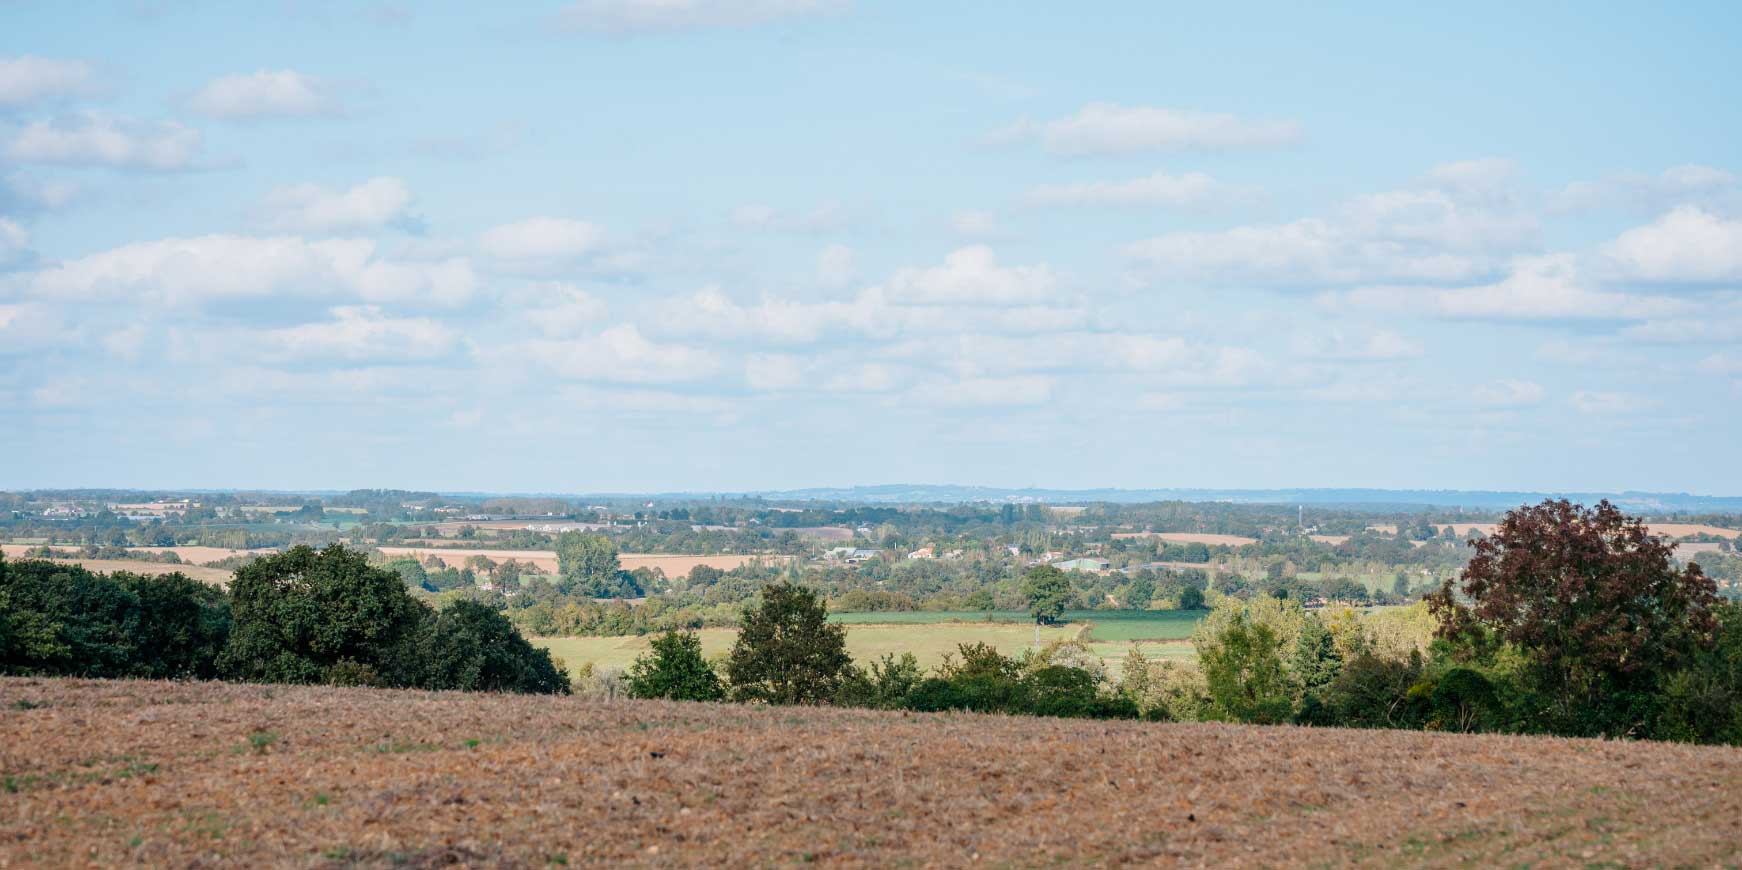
(867, 433)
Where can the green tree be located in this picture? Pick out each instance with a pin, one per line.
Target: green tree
(307, 617)
(1191, 598)
(675, 669)
(1244, 672)
(588, 565)
(787, 652)
(1048, 590)
(1140, 591)
(472, 647)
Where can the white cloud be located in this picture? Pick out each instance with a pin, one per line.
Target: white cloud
(542, 244)
(28, 326)
(825, 218)
(557, 309)
(1341, 347)
(1723, 362)
(1108, 128)
(94, 139)
(1191, 190)
(621, 353)
(1677, 185)
(972, 275)
(983, 392)
(1688, 245)
(192, 271)
(1460, 226)
(1508, 393)
(361, 334)
(865, 378)
(19, 195)
(773, 372)
(28, 79)
(14, 243)
(1602, 403)
(267, 94)
(626, 17)
(376, 203)
(975, 224)
(835, 266)
(1548, 287)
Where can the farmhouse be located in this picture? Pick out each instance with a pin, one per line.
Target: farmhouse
(923, 553)
(1094, 565)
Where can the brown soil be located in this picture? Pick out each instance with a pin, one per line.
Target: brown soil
(177, 774)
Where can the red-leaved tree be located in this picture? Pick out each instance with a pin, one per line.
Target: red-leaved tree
(1590, 599)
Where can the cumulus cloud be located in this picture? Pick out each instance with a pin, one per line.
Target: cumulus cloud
(1549, 287)
(542, 244)
(622, 354)
(1639, 191)
(972, 275)
(628, 17)
(1109, 128)
(203, 269)
(28, 80)
(96, 139)
(557, 309)
(22, 196)
(982, 392)
(374, 204)
(1689, 245)
(14, 243)
(267, 94)
(1190, 191)
(835, 266)
(1606, 403)
(1458, 226)
(773, 372)
(1341, 347)
(361, 334)
(1508, 393)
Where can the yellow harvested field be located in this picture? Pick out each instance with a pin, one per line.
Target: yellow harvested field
(1207, 538)
(1333, 540)
(202, 555)
(214, 576)
(1682, 530)
(673, 565)
(189, 774)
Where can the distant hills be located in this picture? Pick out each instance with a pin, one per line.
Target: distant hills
(1402, 498)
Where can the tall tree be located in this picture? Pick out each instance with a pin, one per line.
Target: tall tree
(587, 562)
(1591, 600)
(1048, 590)
(787, 652)
(675, 669)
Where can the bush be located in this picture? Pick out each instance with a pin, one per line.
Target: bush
(675, 670)
(472, 647)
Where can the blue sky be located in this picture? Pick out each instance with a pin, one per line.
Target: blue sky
(755, 244)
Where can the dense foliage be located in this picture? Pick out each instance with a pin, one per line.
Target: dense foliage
(298, 617)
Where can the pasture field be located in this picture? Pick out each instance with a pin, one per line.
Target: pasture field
(1110, 625)
(1207, 538)
(146, 773)
(929, 642)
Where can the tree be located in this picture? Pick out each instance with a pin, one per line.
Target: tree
(588, 565)
(787, 652)
(675, 669)
(1048, 590)
(1593, 603)
(1191, 598)
(1244, 672)
(307, 617)
(1139, 593)
(471, 647)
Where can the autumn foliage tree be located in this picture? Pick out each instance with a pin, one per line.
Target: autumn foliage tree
(1591, 606)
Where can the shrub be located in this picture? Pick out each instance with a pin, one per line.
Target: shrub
(675, 669)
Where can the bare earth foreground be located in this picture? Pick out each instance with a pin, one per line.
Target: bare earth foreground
(105, 773)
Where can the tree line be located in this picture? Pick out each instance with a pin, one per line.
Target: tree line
(1568, 620)
(302, 616)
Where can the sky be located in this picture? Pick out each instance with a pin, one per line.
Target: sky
(727, 245)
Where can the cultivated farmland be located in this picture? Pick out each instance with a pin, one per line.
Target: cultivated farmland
(214, 576)
(103, 773)
(1206, 538)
